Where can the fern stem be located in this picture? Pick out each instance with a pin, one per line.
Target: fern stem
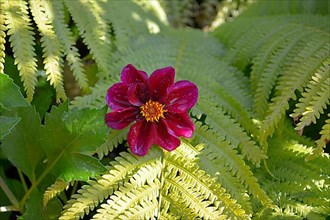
(161, 180)
(268, 171)
(74, 188)
(9, 194)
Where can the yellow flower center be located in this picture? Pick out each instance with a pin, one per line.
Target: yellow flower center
(152, 111)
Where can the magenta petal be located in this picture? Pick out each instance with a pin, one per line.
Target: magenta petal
(131, 75)
(140, 137)
(121, 119)
(163, 137)
(137, 94)
(160, 80)
(117, 97)
(181, 96)
(180, 124)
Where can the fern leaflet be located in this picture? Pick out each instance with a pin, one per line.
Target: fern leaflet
(52, 47)
(95, 32)
(2, 39)
(54, 190)
(22, 41)
(65, 36)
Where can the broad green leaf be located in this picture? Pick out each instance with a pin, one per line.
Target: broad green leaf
(7, 124)
(33, 207)
(22, 145)
(69, 137)
(10, 96)
(43, 97)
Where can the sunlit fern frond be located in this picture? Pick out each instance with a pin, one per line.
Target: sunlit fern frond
(2, 39)
(125, 168)
(287, 53)
(54, 190)
(22, 42)
(52, 47)
(315, 97)
(295, 195)
(147, 184)
(65, 36)
(295, 78)
(93, 29)
(114, 138)
(323, 141)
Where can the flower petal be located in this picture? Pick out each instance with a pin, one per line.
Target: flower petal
(137, 94)
(160, 80)
(121, 119)
(140, 137)
(180, 124)
(131, 75)
(164, 139)
(181, 96)
(117, 97)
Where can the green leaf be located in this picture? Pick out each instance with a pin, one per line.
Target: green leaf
(33, 207)
(10, 96)
(22, 146)
(7, 124)
(68, 140)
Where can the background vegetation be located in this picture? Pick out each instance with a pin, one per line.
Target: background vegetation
(260, 150)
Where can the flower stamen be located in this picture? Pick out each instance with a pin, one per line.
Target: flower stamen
(152, 111)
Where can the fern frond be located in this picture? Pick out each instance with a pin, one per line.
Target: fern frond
(114, 138)
(54, 190)
(94, 30)
(265, 7)
(323, 141)
(319, 99)
(312, 89)
(52, 47)
(22, 42)
(276, 55)
(294, 79)
(144, 211)
(65, 36)
(128, 198)
(292, 190)
(247, 35)
(196, 190)
(124, 168)
(325, 133)
(2, 38)
(94, 100)
(223, 156)
(229, 129)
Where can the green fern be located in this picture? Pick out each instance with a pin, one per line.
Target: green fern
(93, 29)
(51, 46)
(22, 41)
(295, 78)
(2, 39)
(54, 190)
(306, 197)
(142, 184)
(64, 34)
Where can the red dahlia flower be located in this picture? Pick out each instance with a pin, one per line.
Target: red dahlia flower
(158, 106)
